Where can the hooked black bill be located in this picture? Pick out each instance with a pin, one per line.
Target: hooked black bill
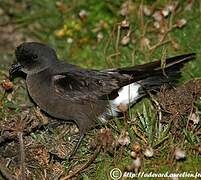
(15, 68)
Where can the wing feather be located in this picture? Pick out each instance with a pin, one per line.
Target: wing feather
(81, 84)
(75, 83)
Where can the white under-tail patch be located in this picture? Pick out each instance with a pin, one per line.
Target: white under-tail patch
(128, 95)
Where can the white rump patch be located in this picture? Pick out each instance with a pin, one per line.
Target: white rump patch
(127, 95)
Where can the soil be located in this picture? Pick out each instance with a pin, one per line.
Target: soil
(178, 105)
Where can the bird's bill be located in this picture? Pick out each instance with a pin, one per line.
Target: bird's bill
(14, 69)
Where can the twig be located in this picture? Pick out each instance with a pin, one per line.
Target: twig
(133, 56)
(6, 172)
(141, 15)
(160, 43)
(22, 156)
(162, 40)
(117, 43)
(10, 135)
(159, 110)
(109, 58)
(111, 35)
(93, 157)
(7, 136)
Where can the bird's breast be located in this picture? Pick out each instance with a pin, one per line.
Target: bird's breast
(39, 90)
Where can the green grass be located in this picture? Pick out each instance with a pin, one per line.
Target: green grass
(57, 24)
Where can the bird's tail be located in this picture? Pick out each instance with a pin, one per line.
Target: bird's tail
(147, 77)
(153, 75)
(172, 67)
(169, 75)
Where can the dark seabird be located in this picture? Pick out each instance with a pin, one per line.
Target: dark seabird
(86, 96)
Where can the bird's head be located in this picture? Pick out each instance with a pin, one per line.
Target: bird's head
(33, 57)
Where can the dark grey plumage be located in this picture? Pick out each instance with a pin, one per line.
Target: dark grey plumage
(70, 93)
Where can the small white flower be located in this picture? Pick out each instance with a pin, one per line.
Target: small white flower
(124, 138)
(149, 152)
(194, 117)
(145, 42)
(133, 154)
(156, 24)
(137, 163)
(125, 24)
(99, 36)
(83, 14)
(171, 7)
(157, 16)
(69, 40)
(180, 23)
(165, 12)
(146, 10)
(179, 154)
(125, 40)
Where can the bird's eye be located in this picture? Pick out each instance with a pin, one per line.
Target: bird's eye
(34, 57)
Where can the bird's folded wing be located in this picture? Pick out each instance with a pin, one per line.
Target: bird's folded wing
(73, 83)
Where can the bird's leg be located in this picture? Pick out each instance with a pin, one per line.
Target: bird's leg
(77, 145)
